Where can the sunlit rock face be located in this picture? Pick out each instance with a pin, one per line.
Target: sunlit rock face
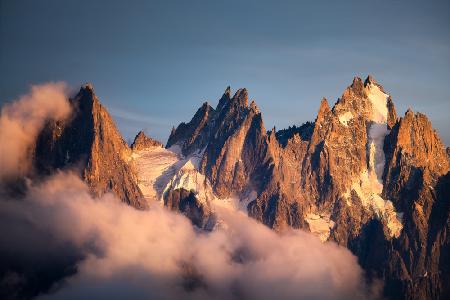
(89, 143)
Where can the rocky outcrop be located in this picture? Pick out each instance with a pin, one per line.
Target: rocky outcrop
(90, 144)
(187, 203)
(141, 142)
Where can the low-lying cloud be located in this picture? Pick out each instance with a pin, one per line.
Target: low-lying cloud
(158, 254)
(21, 121)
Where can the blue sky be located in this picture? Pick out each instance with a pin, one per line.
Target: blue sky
(153, 63)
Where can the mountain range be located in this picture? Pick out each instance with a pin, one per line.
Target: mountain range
(358, 175)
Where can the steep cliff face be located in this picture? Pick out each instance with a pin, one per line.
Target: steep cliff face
(90, 143)
(195, 134)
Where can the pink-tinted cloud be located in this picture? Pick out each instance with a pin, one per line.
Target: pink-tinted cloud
(21, 121)
(158, 254)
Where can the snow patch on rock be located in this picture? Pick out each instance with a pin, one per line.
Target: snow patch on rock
(186, 176)
(345, 118)
(320, 225)
(369, 189)
(153, 166)
(379, 103)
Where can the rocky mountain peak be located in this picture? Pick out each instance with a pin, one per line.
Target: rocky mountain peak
(241, 97)
(368, 101)
(358, 175)
(141, 142)
(414, 138)
(228, 91)
(86, 93)
(225, 99)
(356, 89)
(357, 83)
(392, 114)
(86, 101)
(324, 109)
(254, 107)
(409, 113)
(90, 142)
(195, 134)
(87, 87)
(369, 80)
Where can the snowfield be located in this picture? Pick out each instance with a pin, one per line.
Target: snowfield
(155, 169)
(379, 103)
(160, 170)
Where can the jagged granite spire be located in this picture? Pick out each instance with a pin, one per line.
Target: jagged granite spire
(195, 134)
(240, 98)
(91, 143)
(224, 99)
(369, 80)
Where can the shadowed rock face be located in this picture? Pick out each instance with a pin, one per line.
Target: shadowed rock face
(304, 131)
(186, 202)
(90, 144)
(381, 182)
(195, 134)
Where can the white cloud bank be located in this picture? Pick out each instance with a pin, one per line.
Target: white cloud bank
(158, 254)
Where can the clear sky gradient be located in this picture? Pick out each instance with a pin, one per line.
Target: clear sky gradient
(153, 63)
